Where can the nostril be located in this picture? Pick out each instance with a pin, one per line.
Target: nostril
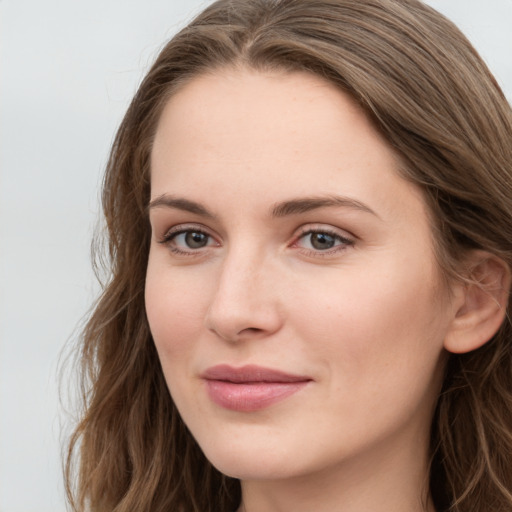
(251, 330)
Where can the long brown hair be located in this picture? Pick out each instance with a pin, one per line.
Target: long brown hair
(438, 106)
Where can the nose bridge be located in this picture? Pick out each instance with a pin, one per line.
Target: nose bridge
(244, 301)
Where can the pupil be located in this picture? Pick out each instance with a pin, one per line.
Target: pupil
(322, 241)
(196, 240)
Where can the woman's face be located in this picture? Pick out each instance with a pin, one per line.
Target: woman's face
(292, 291)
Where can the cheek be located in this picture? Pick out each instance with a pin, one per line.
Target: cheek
(377, 324)
(175, 309)
(380, 349)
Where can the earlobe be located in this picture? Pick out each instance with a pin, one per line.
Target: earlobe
(480, 303)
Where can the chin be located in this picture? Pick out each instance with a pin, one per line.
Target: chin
(254, 461)
(255, 469)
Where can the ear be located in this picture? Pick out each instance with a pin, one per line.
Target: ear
(480, 303)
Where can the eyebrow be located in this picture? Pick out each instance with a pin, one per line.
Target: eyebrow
(180, 203)
(282, 209)
(306, 204)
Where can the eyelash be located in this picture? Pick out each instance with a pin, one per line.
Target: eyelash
(344, 242)
(172, 234)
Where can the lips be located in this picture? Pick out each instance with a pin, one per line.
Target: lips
(250, 388)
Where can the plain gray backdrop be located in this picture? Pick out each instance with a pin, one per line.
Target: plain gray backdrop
(68, 70)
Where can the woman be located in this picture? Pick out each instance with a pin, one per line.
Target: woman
(309, 211)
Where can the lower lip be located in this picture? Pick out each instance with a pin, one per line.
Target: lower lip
(247, 397)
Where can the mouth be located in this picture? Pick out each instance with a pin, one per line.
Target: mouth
(250, 388)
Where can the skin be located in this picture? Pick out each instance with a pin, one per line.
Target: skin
(365, 319)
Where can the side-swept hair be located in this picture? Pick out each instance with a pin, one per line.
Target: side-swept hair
(438, 106)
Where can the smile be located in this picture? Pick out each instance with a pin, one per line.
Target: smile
(250, 388)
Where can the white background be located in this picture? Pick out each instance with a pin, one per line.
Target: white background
(68, 70)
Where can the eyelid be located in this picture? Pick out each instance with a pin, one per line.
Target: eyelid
(347, 239)
(325, 228)
(173, 232)
(343, 237)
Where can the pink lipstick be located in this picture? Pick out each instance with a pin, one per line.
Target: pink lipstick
(250, 388)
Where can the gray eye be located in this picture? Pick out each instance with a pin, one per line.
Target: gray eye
(195, 239)
(322, 241)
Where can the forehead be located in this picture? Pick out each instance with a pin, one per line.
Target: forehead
(263, 105)
(272, 133)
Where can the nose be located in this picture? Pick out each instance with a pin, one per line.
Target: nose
(245, 303)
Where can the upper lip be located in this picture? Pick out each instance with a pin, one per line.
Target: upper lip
(250, 373)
